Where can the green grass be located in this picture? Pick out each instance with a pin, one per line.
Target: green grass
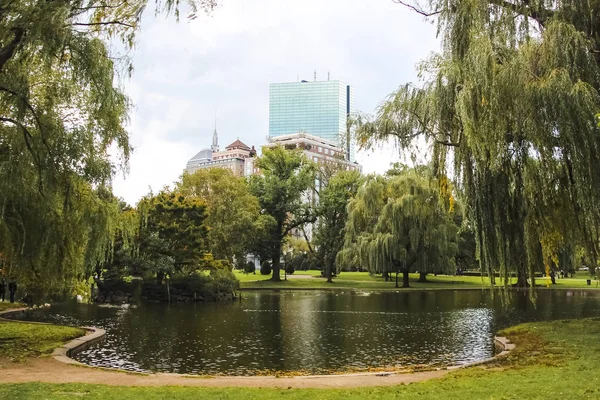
(21, 340)
(5, 305)
(553, 360)
(362, 280)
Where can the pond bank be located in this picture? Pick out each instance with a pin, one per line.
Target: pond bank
(63, 369)
(553, 360)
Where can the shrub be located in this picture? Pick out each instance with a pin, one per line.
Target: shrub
(250, 267)
(289, 268)
(223, 281)
(265, 268)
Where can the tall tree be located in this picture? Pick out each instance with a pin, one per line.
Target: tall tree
(333, 214)
(282, 190)
(173, 234)
(510, 106)
(61, 110)
(401, 224)
(232, 211)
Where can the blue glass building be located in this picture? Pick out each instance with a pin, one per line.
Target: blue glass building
(317, 108)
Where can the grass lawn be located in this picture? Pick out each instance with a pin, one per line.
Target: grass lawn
(553, 360)
(19, 340)
(5, 305)
(362, 280)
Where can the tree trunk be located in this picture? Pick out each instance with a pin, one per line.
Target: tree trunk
(396, 279)
(329, 275)
(168, 292)
(276, 263)
(521, 279)
(405, 283)
(329, 271)
(159, 278)
(276, 256)
(276, 269)
(422, 277)
(386, 276)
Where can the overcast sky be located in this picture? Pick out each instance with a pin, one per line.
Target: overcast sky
(185, 71)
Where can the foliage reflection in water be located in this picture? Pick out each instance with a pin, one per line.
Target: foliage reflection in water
(311, 332)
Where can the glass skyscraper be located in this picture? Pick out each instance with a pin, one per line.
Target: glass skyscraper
(317, 108)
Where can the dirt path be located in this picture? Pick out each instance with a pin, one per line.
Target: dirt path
(52, 371)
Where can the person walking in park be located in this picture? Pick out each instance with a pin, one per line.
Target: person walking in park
(12, 289)
(2, 289)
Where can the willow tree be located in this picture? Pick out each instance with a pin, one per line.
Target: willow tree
(61, 110)
(508, 106)
(401, 224)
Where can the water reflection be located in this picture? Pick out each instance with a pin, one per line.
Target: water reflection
(313, 332)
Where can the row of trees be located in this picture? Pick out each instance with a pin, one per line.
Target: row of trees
(398, 223)
(509, 108)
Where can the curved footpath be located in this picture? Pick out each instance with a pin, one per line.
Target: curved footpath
(60, 368)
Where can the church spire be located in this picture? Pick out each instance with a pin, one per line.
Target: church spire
(215, 140)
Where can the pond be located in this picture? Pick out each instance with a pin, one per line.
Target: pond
(311, 332)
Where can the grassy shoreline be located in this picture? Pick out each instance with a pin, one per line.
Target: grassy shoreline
(311, 280)
(21, 340)
(553, 360)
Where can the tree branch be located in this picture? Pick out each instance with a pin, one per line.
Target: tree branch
(307, 241)
(446, 143)
(431, 132)
(304, 220)
(76, 11)
(103, 23)
(27, 136)
(35, 116)
(417, 10)
(9, 50)
(100, 6)
(541, 17)
(24, 99)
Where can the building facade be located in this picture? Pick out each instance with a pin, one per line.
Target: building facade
(319, 108)
(322, 151)
(234, 157)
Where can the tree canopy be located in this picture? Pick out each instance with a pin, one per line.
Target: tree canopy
(283, 192)
(232, 211)
(508, 107)
(61, 110)
(333, 214)
(401, 224)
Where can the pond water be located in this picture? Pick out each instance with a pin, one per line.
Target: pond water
(311, 332)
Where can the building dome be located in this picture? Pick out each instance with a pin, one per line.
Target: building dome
(203, 156)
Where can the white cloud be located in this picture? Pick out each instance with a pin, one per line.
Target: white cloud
(185, 71)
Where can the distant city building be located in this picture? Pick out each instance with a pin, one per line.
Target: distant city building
(322, 151)
(234, 157)
(325, 153)
(319, 108)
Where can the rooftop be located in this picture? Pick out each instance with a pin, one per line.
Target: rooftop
(237, 145)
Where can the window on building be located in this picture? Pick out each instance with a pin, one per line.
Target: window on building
(320, 149)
